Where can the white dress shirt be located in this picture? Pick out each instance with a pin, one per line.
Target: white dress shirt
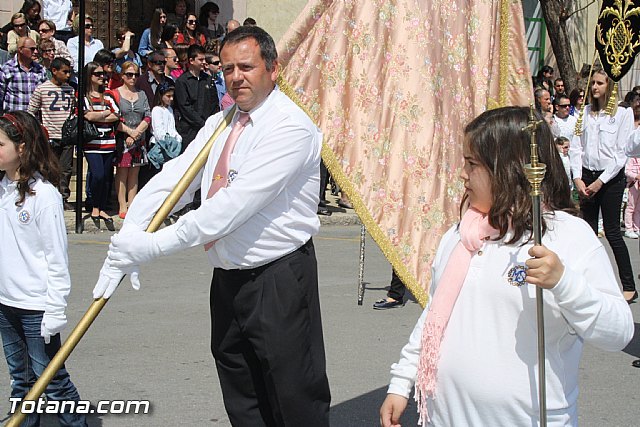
(269, 208)
(601, 147)
(57, 11)
(632, 149)
(34, 268)
(487, 371)
(566, 126)
(89, 50)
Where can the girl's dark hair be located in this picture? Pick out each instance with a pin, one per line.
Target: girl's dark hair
(574, 95)
(185, 30)
(168, 32)
(162, 88)
(497, 140)
(88, 71)
(36, 157)
(155, 28)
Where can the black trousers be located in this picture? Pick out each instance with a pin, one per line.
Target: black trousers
(268, 345)
(65, 158)
(396, 288)
(609, 201)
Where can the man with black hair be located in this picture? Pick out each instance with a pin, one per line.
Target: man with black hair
(196, 96)
(261, 181)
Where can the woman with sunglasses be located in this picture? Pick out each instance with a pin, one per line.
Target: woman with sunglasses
(209, 20)
(131, 143)
(20, 29)
(102, 110)
(190, 34)
(46, 31)
(576, 98)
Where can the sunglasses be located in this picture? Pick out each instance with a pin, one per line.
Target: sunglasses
(19, 25)
(32, 49)
(98, 74)
(159, 62)
(88, 26)
(49, 51)
(563, 105)
(131, 75)
(214, 63)
(191, 21)
(44, 30)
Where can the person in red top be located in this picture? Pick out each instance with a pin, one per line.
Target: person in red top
(102, 110)
(190, 33)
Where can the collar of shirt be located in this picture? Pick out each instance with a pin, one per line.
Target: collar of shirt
(258, 112)
(6, 185)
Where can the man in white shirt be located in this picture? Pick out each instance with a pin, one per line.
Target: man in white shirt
(565, 121)
(266, 326)
(91, 45)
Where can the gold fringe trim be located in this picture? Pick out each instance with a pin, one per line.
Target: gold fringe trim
(374, 230)
(505, 32)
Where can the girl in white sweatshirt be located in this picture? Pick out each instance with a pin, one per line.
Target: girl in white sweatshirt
(473, 354)
(34, 269)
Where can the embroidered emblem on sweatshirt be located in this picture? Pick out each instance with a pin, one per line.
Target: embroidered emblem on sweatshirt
(24, 216)
(517, 275)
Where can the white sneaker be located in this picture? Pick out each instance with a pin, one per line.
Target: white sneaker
(631, 234)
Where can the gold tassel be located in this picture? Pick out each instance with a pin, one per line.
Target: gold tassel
(613, 101)
(578, 130)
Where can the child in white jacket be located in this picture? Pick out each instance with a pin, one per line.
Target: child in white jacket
(34, 269)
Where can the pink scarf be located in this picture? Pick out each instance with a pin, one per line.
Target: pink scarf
(474, 230)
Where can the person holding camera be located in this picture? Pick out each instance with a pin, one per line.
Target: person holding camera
(124, 52)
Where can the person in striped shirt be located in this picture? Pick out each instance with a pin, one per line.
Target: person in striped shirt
(52, 102)
(102, 110)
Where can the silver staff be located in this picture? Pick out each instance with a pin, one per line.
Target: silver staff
(535, 174)
(363, 231)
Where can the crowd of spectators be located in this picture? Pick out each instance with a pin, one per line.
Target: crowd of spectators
(177, 52)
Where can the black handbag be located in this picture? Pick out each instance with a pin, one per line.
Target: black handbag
(70, 129)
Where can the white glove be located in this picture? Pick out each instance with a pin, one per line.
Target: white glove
(51, 325)
(132, 249)
(110, 278)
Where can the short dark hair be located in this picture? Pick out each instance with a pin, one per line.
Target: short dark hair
(155, 55)
(557, 99)
(104, 57)
(194, 50)
(559, 79)
(59, 62)
(268, 50)
(249, 21)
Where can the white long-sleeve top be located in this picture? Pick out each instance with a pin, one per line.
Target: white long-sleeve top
(601, 147)
(269, 208)
(566, 126)
(632, 149)
(57, 11)
(487, 373)
(163, 123)
(34, 268)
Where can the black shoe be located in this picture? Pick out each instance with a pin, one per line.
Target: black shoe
(68, 206)
(323, 210)
(108, 222)
(384, 304)
(346, 205)
(96, 221)
(636, 363)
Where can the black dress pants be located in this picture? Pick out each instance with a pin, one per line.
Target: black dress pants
(609, 201)
(268, 345)
(396, 288)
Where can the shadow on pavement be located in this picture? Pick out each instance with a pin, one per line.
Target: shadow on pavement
(364, 411)
(633, 348)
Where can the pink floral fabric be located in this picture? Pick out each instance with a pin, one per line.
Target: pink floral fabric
(392, 84)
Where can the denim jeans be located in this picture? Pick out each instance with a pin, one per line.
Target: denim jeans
(27, 356)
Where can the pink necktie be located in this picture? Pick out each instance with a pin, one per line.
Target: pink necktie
(221, 171)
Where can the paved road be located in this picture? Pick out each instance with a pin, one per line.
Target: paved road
(154, 344)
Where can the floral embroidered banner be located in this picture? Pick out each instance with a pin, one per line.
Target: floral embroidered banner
(392, 84)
